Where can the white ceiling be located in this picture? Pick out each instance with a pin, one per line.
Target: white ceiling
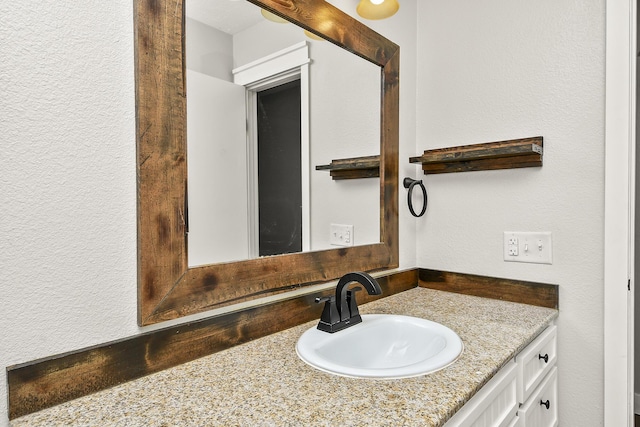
(232, 16)
(229, 16)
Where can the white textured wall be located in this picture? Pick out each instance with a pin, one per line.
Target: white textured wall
(67, 174)
(500, 69)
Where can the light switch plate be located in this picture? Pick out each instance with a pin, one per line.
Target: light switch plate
(532, 247)
(341, 235)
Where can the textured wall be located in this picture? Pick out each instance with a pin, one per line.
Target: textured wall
(500, 69)
(67, 173)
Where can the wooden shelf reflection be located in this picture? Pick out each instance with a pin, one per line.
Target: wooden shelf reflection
(353, 168)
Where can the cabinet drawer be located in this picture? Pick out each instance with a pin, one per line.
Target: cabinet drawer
(541, 410)
(535, 361)
(494, 405)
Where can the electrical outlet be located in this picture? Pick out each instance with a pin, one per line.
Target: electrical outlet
(341, 235)
(533, 247)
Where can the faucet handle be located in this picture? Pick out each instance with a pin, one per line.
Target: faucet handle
(330, 315)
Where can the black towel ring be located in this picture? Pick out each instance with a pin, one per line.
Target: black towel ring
(410, 183)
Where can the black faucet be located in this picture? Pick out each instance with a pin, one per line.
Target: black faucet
(338, 316)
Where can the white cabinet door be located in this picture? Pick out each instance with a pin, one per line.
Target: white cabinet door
(541, 410)
(495, 405)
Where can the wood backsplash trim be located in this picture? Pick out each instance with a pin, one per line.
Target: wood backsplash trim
(540, 294)
(47, 382)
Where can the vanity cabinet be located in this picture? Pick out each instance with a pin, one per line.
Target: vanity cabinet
(524, 393)
(538, 382)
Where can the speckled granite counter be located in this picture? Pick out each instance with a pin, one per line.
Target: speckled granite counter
(263, 383)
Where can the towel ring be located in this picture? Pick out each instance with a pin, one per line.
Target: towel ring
(410, 183)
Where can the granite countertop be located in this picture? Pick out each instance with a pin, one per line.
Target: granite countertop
(264, 383)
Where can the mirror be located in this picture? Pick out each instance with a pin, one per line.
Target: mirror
(168, 287)
(253, 189)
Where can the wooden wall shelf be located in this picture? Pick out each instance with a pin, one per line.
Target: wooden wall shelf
(352, 168)
(516, 153)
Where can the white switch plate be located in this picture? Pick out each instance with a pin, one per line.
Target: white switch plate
(535, 247)
(341, 235)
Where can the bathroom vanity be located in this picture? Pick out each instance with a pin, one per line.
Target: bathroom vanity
(264, 382)
(523, 393)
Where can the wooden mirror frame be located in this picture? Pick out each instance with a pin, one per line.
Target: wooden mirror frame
(167, 287)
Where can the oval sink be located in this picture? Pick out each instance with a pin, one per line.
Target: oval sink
(383, 346)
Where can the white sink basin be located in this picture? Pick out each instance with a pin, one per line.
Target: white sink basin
(383, 346)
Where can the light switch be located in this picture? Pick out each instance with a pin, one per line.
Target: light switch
(533, 247)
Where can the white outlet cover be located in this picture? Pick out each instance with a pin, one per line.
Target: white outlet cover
(530, 247)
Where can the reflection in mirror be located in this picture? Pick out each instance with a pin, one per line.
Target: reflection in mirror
(168, 288)
(333, 112)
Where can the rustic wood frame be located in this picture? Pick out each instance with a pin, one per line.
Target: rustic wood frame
(167, 287)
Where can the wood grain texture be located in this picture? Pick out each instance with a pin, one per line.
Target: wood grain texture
(167, 287)
(353, 168)
(540, 294)
(43, 383)
(389, 158)
(330, 23)
(355, 174)
(483, 165)
(161, 149)
(364, 162)
(510, 154)
(201, 289)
